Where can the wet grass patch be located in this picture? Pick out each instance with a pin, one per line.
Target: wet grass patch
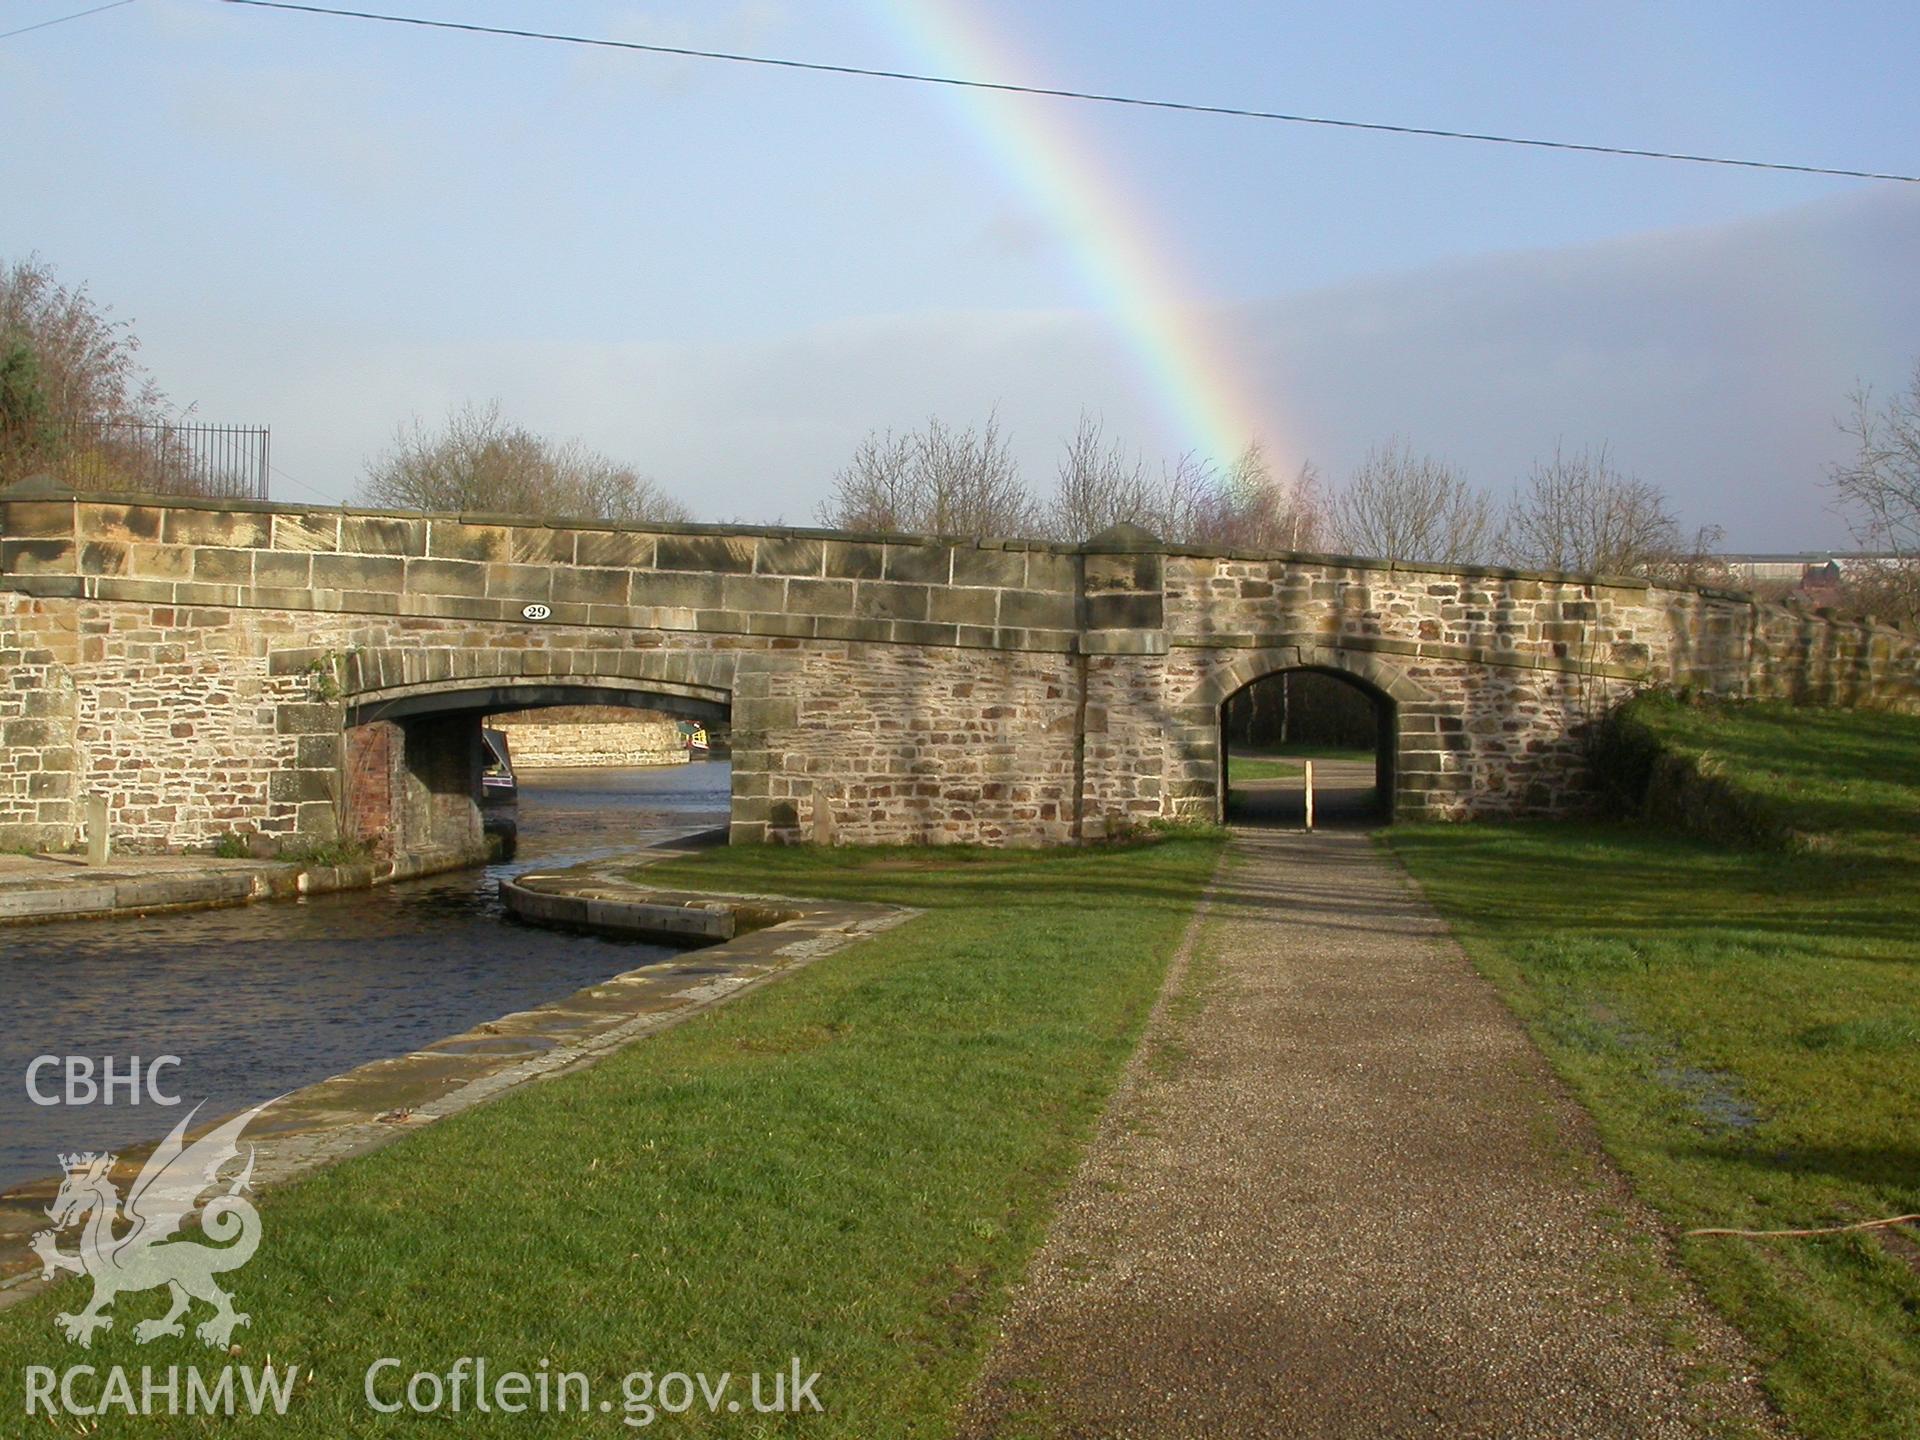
(1744, 1026)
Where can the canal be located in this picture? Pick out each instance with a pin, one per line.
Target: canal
(262, 1000)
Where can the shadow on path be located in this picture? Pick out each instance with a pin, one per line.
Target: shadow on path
(1339, 1194)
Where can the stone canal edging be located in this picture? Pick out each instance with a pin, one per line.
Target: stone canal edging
(374, 1104)
(42, 889)
(599, 897)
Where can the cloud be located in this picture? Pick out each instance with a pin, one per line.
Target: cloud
(1712, 361)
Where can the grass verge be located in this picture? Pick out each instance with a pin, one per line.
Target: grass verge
(1283, 762)
(849, 1167)
(1744, 1027)
(1248, 769)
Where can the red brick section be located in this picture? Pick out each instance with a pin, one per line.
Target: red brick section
(370, 750)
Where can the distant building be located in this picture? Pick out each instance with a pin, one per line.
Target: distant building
(1818, 574)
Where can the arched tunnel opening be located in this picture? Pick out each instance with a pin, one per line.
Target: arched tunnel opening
(1272, 727)
(549, 772)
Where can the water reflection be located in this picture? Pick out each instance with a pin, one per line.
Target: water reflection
(262, 1000)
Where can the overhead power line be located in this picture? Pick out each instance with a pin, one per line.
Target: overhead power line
(300, 484)
(1093, 97)
(62, 19)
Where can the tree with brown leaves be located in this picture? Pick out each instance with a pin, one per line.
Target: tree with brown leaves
(72, 379)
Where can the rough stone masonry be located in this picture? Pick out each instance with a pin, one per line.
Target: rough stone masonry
(297, 674)
(566, 736)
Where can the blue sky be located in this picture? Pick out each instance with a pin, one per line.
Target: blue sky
(725, 275)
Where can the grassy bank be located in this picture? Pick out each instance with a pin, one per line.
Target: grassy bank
(849, 1167)
(1744, 1026)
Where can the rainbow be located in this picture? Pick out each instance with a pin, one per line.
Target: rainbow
(1128, 273)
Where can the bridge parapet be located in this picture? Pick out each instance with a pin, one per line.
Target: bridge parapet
(712, 580)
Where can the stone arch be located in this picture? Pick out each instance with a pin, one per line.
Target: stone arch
(532, 693)
(401, 734)
(402, 675)
(1242, 667)
(1390, 688)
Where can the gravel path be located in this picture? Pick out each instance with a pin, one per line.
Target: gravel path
(1339, 1193)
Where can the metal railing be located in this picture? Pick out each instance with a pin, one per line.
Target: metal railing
(222, 462)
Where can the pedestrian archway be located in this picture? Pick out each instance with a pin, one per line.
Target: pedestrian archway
(1277, 727)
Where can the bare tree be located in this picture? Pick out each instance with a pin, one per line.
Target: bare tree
(876, 489)
(1403, 506)
(1577, 512)
(1187, 504)
(72, 373)
(1696, 561)
(1880, 490)
(1099, 486)
(1246, 507)
(936, 481)
(965, 482)
(478, 461)
(1191, 502)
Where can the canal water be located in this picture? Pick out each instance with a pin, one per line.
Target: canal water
(262, 1000)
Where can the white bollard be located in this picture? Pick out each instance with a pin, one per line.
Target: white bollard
(1309, 794)
(97, 847)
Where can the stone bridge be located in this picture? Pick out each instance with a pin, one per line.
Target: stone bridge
(295, 673)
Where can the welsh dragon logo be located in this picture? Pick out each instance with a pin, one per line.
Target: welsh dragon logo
(146, 1254)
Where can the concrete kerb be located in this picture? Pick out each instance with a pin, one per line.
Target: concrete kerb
(139, 885)
(372, 1105)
